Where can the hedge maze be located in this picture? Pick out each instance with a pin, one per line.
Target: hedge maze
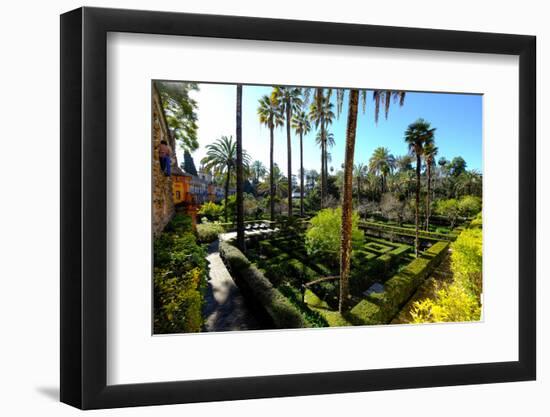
(290, 288)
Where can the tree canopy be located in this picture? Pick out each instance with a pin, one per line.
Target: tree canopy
(180, 110)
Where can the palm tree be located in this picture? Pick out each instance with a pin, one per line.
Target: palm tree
(359, 172)
(301, 125)
(289, 100)
(345, 251)
(221, 158)
(430, 152)
(322, 114)
(417, 135)
(258, 171)
(280, 182)
(382, 163)
(401, 183)
(240, 177)
(469, 182)
(325, 142)
(270, 116)
(403, 163)
(313, 178)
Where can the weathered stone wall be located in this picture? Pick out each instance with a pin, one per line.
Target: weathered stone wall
(163, 203)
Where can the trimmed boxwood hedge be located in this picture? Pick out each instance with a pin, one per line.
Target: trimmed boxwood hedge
(367, 313)
(398, 252)
(407, 231)
(333, 318)
(399, 288)
(378, 248)
(284, 246)
(257, 288)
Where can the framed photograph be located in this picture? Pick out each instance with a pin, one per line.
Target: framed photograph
(256, 208)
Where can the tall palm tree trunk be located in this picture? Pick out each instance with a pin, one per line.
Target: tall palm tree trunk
(429, 168)
(301, 175)
(319, 97)
(226, 191)
(347, 203)
(271, 177)
(417, 199)
(323, 180)
(240, 209)
(289, 161)
(326, 166)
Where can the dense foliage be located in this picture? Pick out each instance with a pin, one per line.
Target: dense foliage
(452, 208)
(461, 299)
(179, 279)
(211, 211)
(208, 232)
(323, 236)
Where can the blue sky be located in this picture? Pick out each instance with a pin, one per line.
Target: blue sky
(457, 118)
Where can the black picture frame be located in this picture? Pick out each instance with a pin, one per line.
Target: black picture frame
(84, 207)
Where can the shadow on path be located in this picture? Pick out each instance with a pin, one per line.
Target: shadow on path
(225, 308)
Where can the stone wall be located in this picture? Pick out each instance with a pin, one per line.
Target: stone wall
(163, 203)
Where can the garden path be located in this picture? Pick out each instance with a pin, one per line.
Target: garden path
(225, 308)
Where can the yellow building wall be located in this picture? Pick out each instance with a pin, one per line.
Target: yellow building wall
(178, 192)
(180, 189)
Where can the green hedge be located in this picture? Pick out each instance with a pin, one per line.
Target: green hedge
(283, 246)
(401, 250)
(366, 313)
(257, 287)
(314, 318)
(399, 288)
(408, 231)
(477, 222)
(333, 318)
(208, 232)
(233, 256)
(377, 247)
(179, 279)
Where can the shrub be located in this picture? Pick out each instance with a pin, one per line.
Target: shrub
(231, 207)
(208, 232)
(179, 223)
(448, 208)
(323, 236)
(469, 205)
(452, 304)
(211, 210)
(178, 304)
(476, 223)
(460, 300)
(179, 279)
(467, 261)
